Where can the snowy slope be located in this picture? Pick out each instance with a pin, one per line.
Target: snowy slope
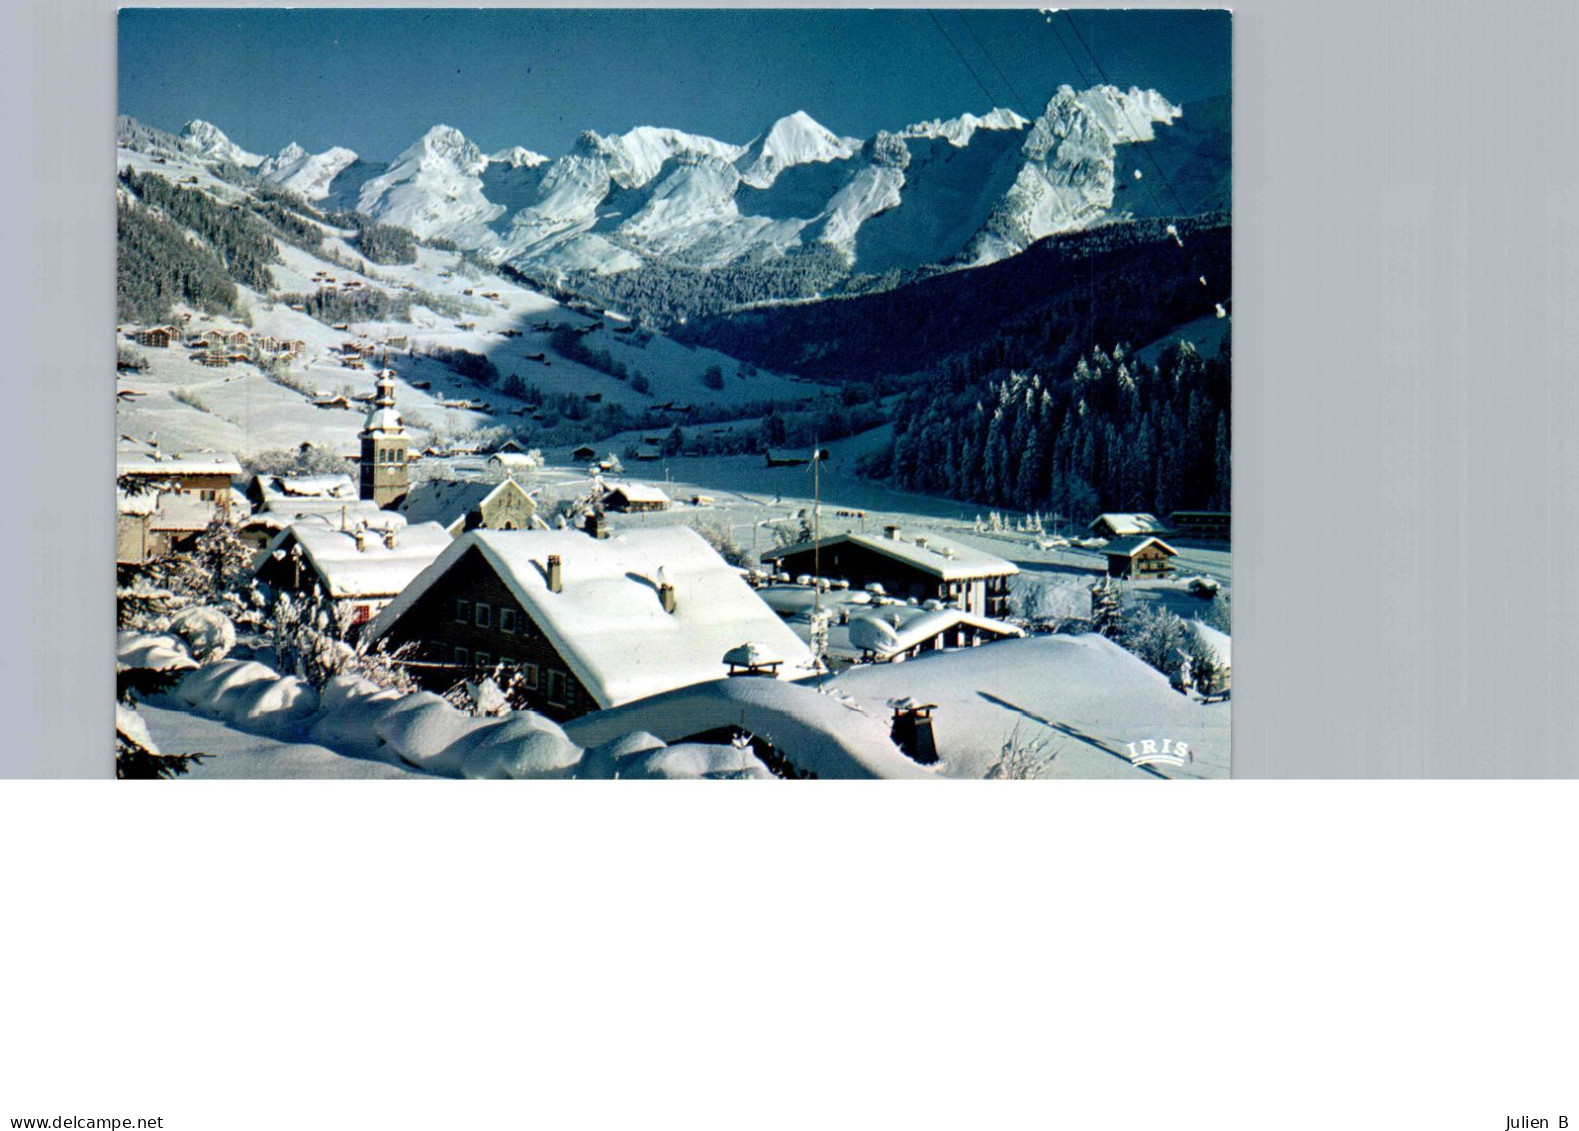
(517, 157)
(434, 189)
(208, 142)
(797, 139)
(306, 174)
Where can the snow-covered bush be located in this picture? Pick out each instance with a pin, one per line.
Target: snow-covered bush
(717, 534)
(1158, 637)
(305, 460)
(208, 633)
(1022, 758)
(308, 635)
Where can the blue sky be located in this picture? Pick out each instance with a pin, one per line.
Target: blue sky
(376, 79)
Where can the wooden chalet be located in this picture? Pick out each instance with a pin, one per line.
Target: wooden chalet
(634, 498)
(587, 623)
(1214, 525)
(200, 476)
(1116, 525)
(158, 337)
(922, 567)
(584, 452)
(906, 635)
(1139, 556)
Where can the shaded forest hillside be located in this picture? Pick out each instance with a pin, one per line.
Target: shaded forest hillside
(1130, 282)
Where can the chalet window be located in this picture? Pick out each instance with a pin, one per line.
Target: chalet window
(462, 657)
(463, 610)
(529, 676)
(507, 620)
(482, 659)
(507, 661)
(484, 614)
(556, 687)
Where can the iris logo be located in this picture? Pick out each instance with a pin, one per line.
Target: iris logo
(1149, 752)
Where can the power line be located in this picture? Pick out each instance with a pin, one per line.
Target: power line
(1023, 104)
(961, 55)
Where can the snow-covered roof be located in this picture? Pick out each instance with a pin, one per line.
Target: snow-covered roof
(939, 556)
(372, 570)
(608, 620)
(1121, 524)
(142, 502)
(872, 633)
(828, 735)
(292, 487)
(330, 514)
(183, 512)
(150, 461)
(515, 459)
(447, 501)
(639, 492)
(1134, 544)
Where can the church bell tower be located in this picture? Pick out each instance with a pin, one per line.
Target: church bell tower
(386, 448)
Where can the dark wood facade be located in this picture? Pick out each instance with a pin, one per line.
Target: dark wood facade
(468, 621)
(1150, 560)
(618, 500)
(862, 566)
(1202, 524)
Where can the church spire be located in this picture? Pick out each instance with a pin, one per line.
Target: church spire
(386, 446)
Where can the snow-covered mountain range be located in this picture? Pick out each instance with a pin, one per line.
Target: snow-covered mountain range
(967, 190)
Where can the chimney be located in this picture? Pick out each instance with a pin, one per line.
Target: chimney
(666, 591)
(361, 539)
(556, 574)
(389, 538)
(921, 543)
(912, 730)
(891, 532)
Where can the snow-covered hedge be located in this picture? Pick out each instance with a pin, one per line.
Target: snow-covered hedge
(359, 719)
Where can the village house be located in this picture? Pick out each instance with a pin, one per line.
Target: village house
(1123, 525)
(513, 463)
(134, 526)
(923, 568)
(634, 498)
(1139, 557)
(893, 635)
(588, 623)
(201, 476)
(278, 501)
(583, 453)
(236, 338)
(366, 566)
(460, 505)
(158, 337)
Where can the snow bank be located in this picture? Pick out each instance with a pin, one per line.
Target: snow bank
(155, 653)
(820, 734)
(354, 719)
